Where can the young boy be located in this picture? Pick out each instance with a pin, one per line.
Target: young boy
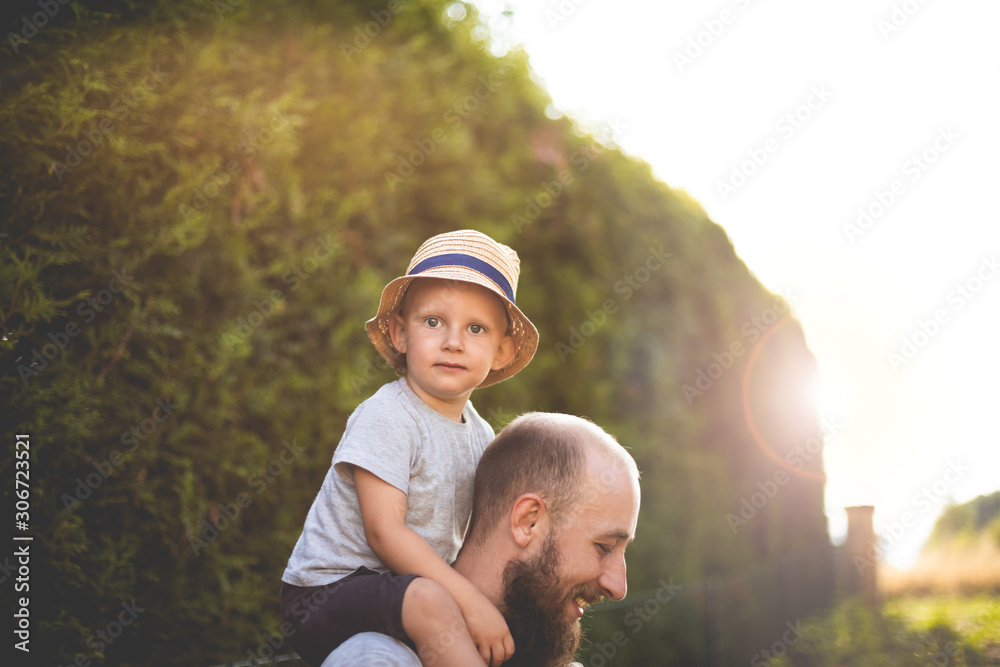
(378, 541)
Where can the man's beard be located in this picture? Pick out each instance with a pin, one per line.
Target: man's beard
(536, 611)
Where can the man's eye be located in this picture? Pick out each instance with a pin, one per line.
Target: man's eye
(476, 328)
(432, 322)
(604, 548)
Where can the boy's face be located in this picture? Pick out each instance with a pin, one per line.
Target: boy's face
(453, 334)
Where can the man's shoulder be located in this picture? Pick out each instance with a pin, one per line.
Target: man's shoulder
(374, 650)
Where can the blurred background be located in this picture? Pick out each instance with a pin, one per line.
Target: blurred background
(757, 242)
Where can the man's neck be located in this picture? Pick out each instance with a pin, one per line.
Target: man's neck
(483, 568)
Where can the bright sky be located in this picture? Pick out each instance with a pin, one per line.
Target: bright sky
(882, 95)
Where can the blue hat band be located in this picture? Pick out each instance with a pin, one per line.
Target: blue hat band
(469, 262)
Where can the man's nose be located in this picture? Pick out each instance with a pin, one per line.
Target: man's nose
(612, 580)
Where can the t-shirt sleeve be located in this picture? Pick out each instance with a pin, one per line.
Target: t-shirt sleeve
(381, 437)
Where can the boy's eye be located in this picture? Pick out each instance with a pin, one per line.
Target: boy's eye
(432, 322)
(476, 328)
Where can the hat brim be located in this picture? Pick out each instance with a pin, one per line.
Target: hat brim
(522, 331)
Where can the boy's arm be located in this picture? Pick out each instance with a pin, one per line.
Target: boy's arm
(383, 513)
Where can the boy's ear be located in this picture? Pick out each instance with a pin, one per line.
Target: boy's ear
(397, 332)
(528, 519)
(505, 353)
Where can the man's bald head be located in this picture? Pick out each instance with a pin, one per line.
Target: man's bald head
(557, 456)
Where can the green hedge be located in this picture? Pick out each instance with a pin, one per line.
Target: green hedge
(201, 202)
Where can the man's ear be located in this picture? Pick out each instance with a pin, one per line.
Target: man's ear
(529, 519)
(505, 353)
(397, 332)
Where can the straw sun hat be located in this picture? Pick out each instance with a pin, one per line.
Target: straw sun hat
(468, 256)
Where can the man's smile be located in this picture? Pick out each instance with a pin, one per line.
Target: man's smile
(579, 602)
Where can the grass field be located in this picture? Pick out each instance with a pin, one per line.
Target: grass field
(975, 618)
(945, 612)
(958, 588)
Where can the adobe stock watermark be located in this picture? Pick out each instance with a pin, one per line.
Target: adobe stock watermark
(698, 43)
(245, 326)
(38, 20)
(939, 656)
(87, 308)
(265, 651)
(104, 637)
(563, 11)
(989, 612)
(122, 107)
(794, 461)
(499, 417)
(957, 297)
(924, 500)
(224, 6)
(430, 653)
(642, 611)
(550, 191)
(303, 608)
(626, 288)
(252, 143)
(914, 167)
(787, 126)
(752, 329)
(780, 647)
(132, 438)
(455, 116)
(364, 34)
(372, 370)
(899, 16)
(224, 515)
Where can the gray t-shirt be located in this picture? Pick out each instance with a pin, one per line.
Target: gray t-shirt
(402, 440)
(372, 650)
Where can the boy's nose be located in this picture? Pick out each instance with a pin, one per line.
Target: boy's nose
(453, 338)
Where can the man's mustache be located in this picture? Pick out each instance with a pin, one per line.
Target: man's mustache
(588, 594)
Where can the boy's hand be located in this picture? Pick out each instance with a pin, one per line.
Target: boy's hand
(488, 630)
(383, 512)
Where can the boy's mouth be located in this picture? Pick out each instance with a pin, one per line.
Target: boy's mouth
(447, 365)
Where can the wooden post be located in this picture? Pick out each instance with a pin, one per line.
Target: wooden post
(861, 551)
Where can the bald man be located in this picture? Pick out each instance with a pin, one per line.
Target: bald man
(556, 503)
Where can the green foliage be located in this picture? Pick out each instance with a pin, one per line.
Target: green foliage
(854, 635)
(963, 525)
(975, 617)
(202, 202)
